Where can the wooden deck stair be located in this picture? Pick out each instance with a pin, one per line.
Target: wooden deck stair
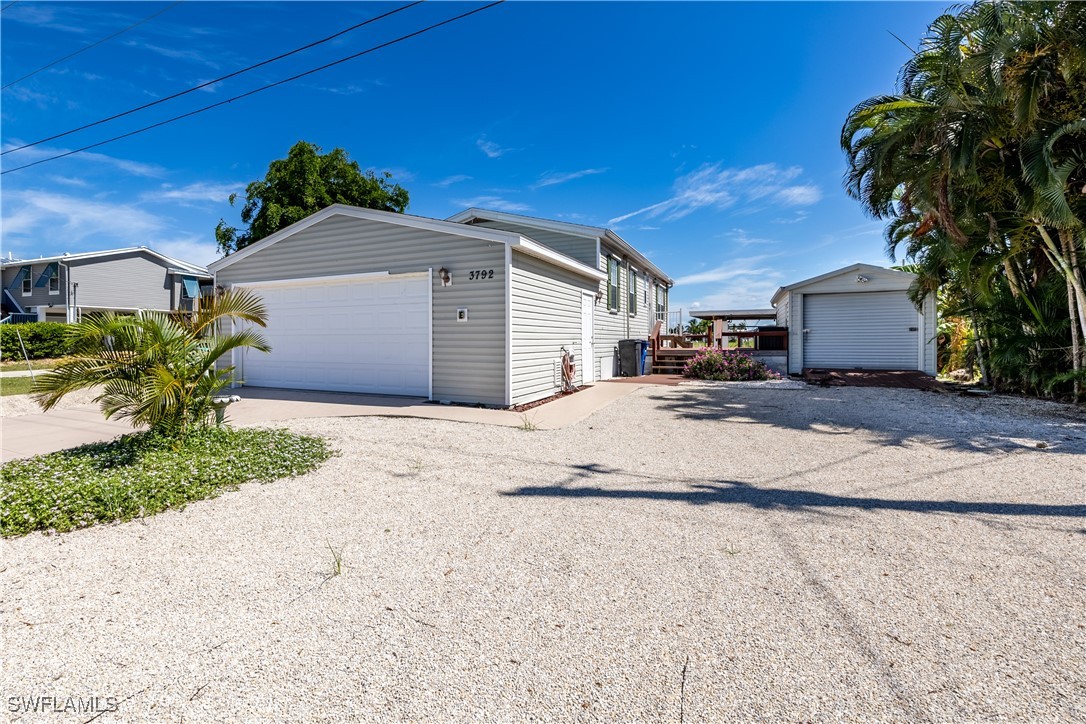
(671, 360)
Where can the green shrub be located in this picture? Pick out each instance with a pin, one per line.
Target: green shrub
(42, 340)
(145, 473)
(725, 365)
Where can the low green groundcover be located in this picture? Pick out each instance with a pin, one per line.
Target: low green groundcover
(143, 474)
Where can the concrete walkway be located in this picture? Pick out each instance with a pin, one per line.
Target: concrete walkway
(28, 435)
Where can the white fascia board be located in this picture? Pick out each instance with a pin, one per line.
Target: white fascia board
(558, 259)
(850, 269)
(624, 246)
(355, 212)
(562, 227)
(68, 258)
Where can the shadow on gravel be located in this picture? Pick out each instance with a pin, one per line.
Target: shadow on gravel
(736, 493)
(892, 417)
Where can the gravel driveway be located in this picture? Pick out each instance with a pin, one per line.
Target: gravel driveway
(689, 552)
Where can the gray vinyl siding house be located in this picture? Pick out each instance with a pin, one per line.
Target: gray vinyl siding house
(491, 302)
(121, 280)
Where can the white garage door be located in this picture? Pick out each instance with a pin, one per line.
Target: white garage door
(355, 335)
(868, 330)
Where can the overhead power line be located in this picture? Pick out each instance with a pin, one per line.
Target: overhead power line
(85, 48)
(210, 82)
(375, 48)
(8, 5)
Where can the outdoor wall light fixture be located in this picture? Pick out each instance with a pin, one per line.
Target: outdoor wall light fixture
(446, 276)
(599, 296)
(861, 279)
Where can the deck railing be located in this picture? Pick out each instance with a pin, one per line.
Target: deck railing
(19, 319)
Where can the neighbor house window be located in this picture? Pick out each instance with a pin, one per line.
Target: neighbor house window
(631, 291)
(54, 281)
(28, 282)
(612, 284)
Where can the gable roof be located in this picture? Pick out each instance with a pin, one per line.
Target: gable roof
(516, 241)
(178, 266)
(851, 269)
(564, 227)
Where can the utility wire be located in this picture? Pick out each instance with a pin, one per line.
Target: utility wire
(8, 5)
(258, 90)
(211, 82)
(92, 45)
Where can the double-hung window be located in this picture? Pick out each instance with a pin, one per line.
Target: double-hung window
(631, 291)
(661, 299)
(613, 299)
(54, 281)
(28, 282)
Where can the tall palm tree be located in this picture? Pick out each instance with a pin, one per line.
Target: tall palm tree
(157, 369)
(978, 162)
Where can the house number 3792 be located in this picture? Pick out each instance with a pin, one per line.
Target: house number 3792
(480, 274)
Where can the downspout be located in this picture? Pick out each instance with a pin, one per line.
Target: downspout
(67, 291)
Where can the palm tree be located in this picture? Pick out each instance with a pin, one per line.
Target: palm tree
(157, 369)
(978, 162)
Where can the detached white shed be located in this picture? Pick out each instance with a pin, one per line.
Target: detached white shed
(858, 317)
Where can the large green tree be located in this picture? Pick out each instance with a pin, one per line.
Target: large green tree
(978, 163)
(304, 182)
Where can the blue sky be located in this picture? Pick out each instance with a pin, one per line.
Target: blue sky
(706, 134)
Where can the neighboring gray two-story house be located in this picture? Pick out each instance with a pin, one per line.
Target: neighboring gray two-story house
(63, 288)
(478, 308)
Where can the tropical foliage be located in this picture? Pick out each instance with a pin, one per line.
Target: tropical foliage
(978, 163)
(157, 369)
(304, 182)
(39, 339)
(141, 474)
(725, 365)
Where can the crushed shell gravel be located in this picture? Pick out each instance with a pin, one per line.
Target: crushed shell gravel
(806, 554)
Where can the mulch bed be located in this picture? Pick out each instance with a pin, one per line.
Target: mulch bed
(907, 379)
(529, 405)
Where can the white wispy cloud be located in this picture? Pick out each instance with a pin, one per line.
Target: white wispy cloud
(711, 186)
(454, 179)
(187, 248)
(735, 282)
(191, 56)
(69, 181)
(495, 203)
(491, 149)
(552, 178)
(34, 220)
(73, 219)
(199, 192)
(36, 153)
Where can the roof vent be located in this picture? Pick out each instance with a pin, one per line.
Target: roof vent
(861, 279)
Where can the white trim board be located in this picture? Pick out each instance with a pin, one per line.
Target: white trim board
(333, 279)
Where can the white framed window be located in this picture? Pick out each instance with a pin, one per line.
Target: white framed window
(54, 281)
(631, 291)
(661, 299)
(28, 281)
(613, 292)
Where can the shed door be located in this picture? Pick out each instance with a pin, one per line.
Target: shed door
(355, 335)
(863, 330)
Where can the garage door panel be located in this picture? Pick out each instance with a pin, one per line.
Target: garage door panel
(871, 330)
(350, 336)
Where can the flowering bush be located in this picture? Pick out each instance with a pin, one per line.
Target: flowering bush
(143, 474)
(726, 365)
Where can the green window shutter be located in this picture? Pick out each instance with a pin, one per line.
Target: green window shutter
(24, 272)
(43, 280)
(612, 283)
(631, 292)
